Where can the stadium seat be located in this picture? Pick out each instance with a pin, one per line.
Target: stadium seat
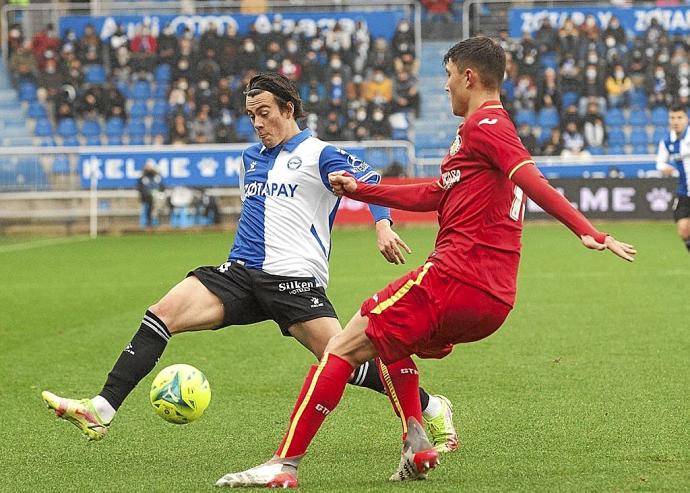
(95, 74)
(162, 74)
(614, 117)
(399, 134)
(136, 131)
(162, 90)
(400, 154)
(616, 137)
(544, 135)
(136, 140)
(596, 151)
(638, 118)
(67, 127)
(30, 172)
(159, 127)
(91, 128)
(139, 110)
(61, 165)
(71, 141)
(638, 100)
(114, 126)
(640, 149)
(616, 149)
(43, 128)
(639, 136)
(658, 135)
(548, 117)
(93, 140)
(376, 157)
(48, 142)
(244, 128)
(27, 91)
(549, 60)
(660, 117)
(124, 89)
(160, 109)
(115, 140)
(569, 98)
(141, 90)
(526, 116)
(36, 110)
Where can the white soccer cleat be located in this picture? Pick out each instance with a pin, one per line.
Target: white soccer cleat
(442, 429)
(276, 475)
(418, 455)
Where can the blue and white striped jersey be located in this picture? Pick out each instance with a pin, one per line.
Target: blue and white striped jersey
(288, 207)
(674, 150)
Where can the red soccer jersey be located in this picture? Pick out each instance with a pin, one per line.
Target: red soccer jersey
(481, 211)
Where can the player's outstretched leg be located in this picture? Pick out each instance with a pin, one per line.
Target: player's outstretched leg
(418, 455)
(93, 416)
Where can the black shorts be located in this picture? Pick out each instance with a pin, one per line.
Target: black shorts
(250, 296)
(681, 208)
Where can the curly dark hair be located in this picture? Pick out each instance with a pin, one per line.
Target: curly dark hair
(283, 89)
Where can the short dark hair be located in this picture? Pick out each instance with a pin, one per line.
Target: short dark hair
(481, 54)
(282, 88)
(677, 107)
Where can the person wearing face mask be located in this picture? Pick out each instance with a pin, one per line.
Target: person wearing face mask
(592, 87)
(167, 46)
(618, 87)
(378, 89)
(45, 40)
(403, 39)
(248, 56)
(380, 56)
(379, 126)
(615, 29)
(659, 86)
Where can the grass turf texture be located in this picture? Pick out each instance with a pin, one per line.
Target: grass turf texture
(584, 388)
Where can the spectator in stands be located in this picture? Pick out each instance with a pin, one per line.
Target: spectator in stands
(248, 58)
(207, 68)
(571, 115)
(179, 132)
(380, 56)
(63, 109)
(405, 95)
(118, 40)
(312, 68)
(23, 64)
(90, 48)
(228, 48)
(224, 95)
(546, 37)
(225, 128)
(439, 10)
(167, 46)
(615, 29)
(144, 49)
(150, 187)
(361, 41)
(548, 85)
(618, 87)
(74, 75)
(49, 81)
(204, 95)
(331, 130)
(120, 65)
(379, 90)
(15, 38)
(403, 39)
(314, 96)
(210, 40)
(592, 87)
(659, 87)
(528, 139)
(553, 146)
(379, 126)
(527, 56)
(114, 104)
(87, 104)
(681, 81)
(614, 52)
(570, 76)
(573, 142)
(594, 128)
(637, 66)
(654, 33)
(338, 40)
(526, 93)
(43, 42)
(291, 69)
(568, 39)
(201, 129)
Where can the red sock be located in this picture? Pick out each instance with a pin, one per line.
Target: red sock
(401, 380)
(320, 394)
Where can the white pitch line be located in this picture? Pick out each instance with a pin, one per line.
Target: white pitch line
(16, 247)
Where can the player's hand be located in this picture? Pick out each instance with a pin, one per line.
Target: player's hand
(623, 250)
(389, 243)
(342, 183)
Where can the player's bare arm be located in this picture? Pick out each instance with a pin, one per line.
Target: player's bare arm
(389, 243)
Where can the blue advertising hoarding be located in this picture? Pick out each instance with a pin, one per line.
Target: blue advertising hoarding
(379, 23)
(635, 20)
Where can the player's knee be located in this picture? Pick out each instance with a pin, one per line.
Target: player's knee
(164, 312)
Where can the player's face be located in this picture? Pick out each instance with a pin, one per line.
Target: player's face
(678, 120)
(457, 88)
(271, 125)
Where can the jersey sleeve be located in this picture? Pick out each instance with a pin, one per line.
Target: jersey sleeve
(334, 159)
(496, 141)
(417, 197)
(241, 179)
(662, 156)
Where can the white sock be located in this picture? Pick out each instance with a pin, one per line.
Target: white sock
(432, 409)
(105, 411)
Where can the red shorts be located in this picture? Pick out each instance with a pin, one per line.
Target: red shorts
(426, 312)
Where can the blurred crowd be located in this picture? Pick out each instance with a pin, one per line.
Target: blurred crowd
(354, 86)
(584, 71)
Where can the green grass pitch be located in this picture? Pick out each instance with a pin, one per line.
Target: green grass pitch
(585, 388)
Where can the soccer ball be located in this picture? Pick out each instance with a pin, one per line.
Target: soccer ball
(180, 394)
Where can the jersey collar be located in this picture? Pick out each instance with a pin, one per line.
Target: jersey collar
(492, 103)
(291, 144)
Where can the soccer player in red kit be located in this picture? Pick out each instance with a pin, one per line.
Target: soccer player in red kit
(466, 288)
